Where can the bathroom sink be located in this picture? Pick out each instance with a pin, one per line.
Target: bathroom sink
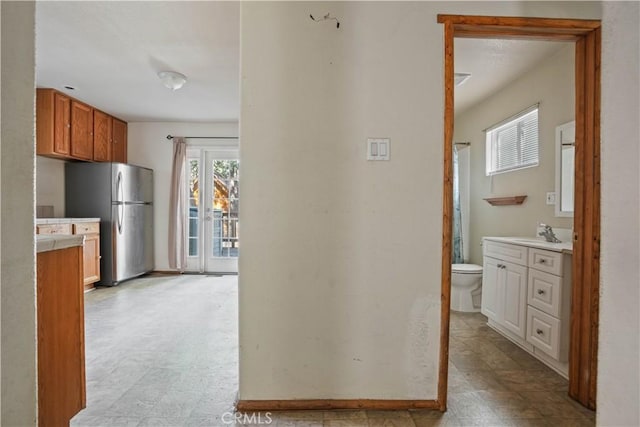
(535, 243)
(526, 240)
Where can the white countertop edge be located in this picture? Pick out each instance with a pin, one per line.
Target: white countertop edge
(564, 247)
(41, 221)
(48, 242)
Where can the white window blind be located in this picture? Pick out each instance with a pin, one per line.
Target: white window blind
(513, 143)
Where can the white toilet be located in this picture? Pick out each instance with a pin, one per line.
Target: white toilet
(466, 287)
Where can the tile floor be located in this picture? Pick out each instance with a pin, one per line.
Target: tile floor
(162, 351)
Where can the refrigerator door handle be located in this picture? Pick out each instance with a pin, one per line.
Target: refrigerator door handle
(120, 217)
(120, 194)
(119, 190)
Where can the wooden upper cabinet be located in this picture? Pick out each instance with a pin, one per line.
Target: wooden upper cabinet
(53, 123)
(81, 131)
(119, 153)
(61, 123)
(102, 136)
(69, 129)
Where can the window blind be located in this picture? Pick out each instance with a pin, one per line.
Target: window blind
(513, 144)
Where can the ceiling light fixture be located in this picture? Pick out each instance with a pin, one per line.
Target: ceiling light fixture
(460, 78)
(172, 80)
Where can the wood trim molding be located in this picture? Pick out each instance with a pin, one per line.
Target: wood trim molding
(586, 265)
(509, 27)
(522, 24)
(331, 404)
(447, 216)
(586, 250)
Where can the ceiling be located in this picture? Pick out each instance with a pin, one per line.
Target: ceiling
(493, 64)
(111, 52)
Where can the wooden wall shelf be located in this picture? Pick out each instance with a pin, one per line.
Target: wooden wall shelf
(505, 201)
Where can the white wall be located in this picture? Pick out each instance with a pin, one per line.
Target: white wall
(619, 335)
(148, 146)
(50, 184)
(550, 82)
(340, 265)
(18, 343)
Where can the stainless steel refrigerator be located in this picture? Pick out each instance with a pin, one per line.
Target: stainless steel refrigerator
(121, 196)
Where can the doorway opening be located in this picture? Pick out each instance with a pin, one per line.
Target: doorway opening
(586, 228)
(212, 234)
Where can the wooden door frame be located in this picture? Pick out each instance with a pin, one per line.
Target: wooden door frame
(586, 236)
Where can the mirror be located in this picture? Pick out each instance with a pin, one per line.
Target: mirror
(565, 154)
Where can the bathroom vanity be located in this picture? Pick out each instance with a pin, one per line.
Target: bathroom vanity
(526, 295)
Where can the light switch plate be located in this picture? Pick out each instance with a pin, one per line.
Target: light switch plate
(378, 148)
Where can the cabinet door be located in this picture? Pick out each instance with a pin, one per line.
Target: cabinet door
(61, 124)
(81, 131)
(515, 298)
(91, 258)
(119, 153)
(61, 361)
(102, 130)
(491, 289)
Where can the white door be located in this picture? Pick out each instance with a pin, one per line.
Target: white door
(515, 298)
(213, 207)
(491, 294)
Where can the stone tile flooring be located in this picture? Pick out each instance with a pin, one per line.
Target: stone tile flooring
(163, 351)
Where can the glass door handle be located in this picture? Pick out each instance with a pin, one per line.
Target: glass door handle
(207, 218)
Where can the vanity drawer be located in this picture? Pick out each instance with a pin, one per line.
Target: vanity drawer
(86, 227)
(54, 229)
(506, 252)
(545, 292)
(547, 261)
(543, 331)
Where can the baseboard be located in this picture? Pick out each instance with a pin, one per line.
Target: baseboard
(330, 404)
(162, 273)
(193, 273)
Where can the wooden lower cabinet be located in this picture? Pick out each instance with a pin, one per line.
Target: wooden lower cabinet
(60, 312)
(91, 248)
(91, 232)
(91, 260)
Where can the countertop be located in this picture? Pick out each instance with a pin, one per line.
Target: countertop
(53, 242)
(41, 221)
(564, 247)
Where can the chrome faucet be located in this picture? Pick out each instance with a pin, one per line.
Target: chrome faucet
(548, 234)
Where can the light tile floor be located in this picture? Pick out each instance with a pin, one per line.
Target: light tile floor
(162, 351)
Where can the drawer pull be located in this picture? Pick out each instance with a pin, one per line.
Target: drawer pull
(543, 261)
(540, 292)
(539, 332)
